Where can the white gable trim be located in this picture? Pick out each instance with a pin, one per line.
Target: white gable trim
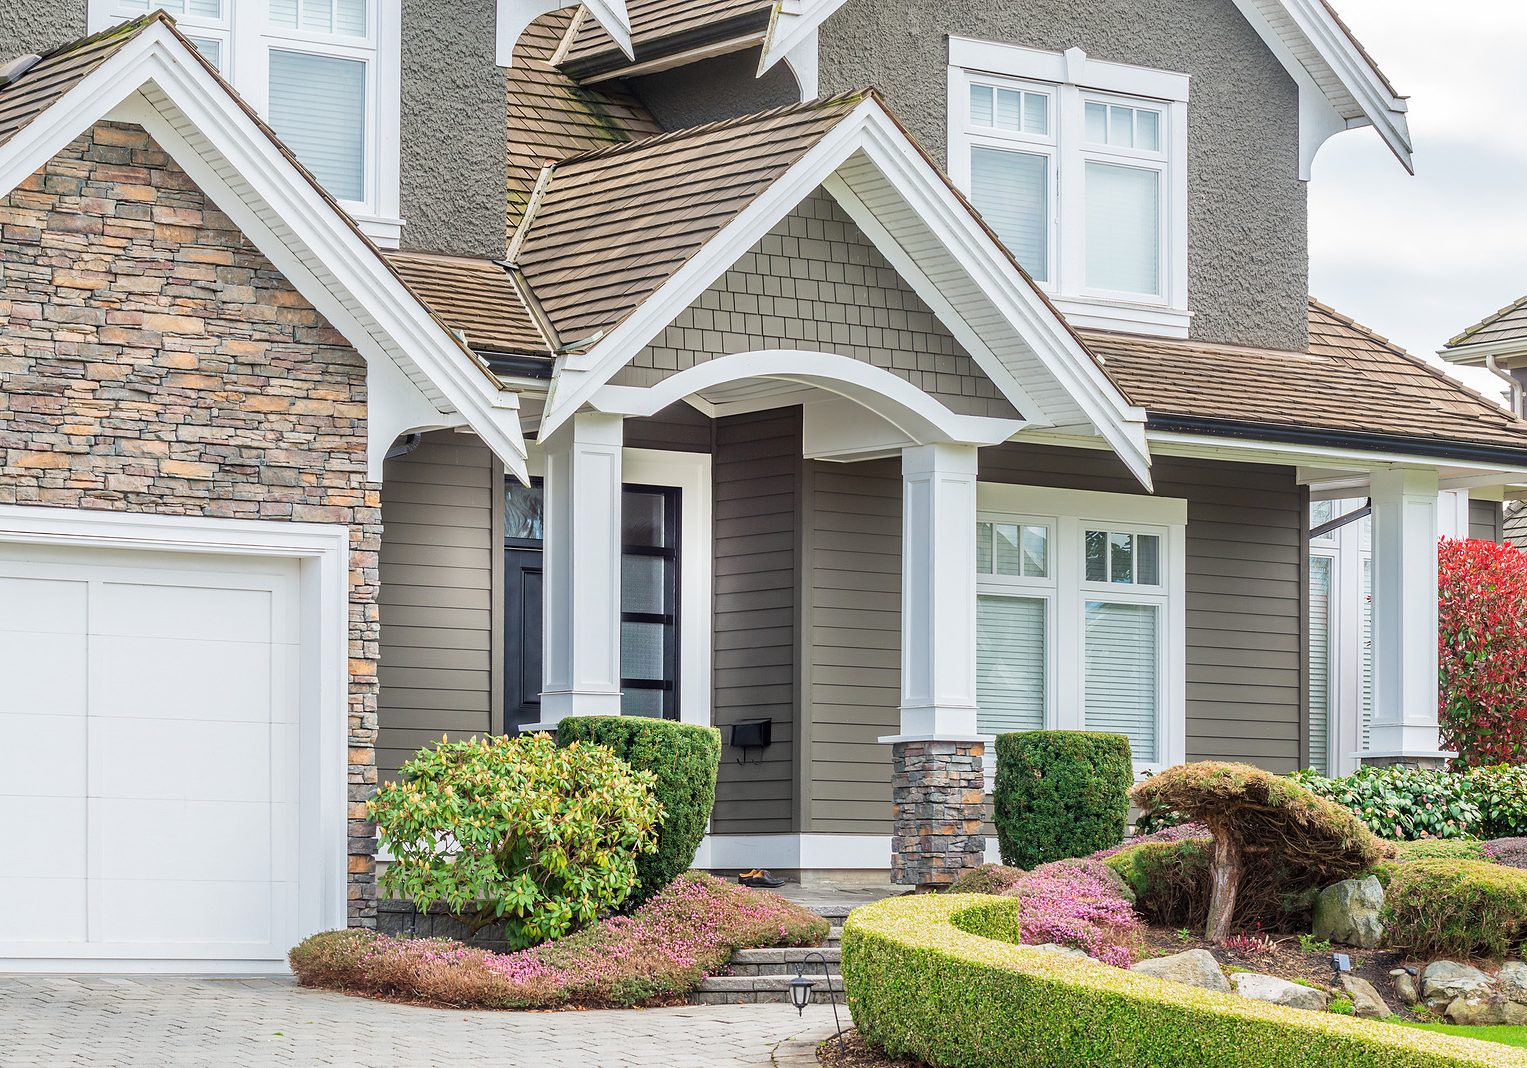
(515, 16)
(156, 82)
(792, 34)
(870, 131)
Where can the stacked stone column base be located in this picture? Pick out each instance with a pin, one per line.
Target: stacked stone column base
(939, 811)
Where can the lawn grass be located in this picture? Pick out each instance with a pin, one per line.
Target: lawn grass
(1505, 1035)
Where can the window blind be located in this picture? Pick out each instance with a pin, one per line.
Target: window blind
(318, 108)
(1122, 673)
(1320, 664)
(1012, 192)
(1010, 664)
(1365, 703)
(1123, 228)
(344, 17)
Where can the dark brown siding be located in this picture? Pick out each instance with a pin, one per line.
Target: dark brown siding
(1485, 520)
(677, 428)
(757, 471)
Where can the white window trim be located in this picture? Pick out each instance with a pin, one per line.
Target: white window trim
(246, 40)
(1069, 513)
(1072, 78)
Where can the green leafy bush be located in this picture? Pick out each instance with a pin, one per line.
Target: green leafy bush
(1439, 849)
(516, 831)
(940, 978)
(1500, 792)
(987, 879)
(653, 956)
(1170, 880)
(1060, 794)
(1403, 804)
(683, 759)
(1456, 907)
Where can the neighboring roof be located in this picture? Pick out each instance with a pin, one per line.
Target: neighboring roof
(662, 28)
(552, 117)
(1500, 329)
(1351, 383)
(474, 296)
(38, 86)
(615, 224)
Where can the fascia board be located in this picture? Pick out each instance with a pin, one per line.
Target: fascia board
(791, 23)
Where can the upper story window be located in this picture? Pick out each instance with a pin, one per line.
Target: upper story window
(323, 73)
(1081, 168)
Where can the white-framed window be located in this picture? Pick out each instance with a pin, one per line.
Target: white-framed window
(1080, 616)
(323, 73)
(1340, 712)
(1081, 168)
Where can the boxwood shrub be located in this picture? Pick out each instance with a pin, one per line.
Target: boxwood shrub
(683, 759)
(1060, 794)
(1466, 908)
(940, 978)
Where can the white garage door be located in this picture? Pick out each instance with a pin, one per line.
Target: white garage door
(148, 757)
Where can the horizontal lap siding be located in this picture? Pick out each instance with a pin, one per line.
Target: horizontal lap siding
(438, 672)
(757, 464)
(853, 643)
(1485, 520)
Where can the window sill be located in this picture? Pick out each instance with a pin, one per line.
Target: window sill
(387, 233)
(1090, 313)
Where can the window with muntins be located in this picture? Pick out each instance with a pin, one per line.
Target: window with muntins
(1080, 169)
(323, 73)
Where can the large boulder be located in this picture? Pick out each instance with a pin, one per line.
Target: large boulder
(1405, 986)
(1513, 982)
(1446, 981)
(1196, 967)
(1277, 991)
(1366, 1000)
(1485, 1011)
(1064, 951)
(1348, 912)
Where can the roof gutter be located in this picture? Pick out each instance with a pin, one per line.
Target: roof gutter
(1421, 448)
(1512, 385)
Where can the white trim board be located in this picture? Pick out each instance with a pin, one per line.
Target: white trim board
(324, 763)
(791, 852)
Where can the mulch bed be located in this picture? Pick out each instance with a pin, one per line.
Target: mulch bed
(857, 1053)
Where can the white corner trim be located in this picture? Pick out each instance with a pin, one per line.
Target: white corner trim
(870, 131)
(515, 16)
(795, 852)
(155, 82)
(1073, 66)
(325, 594)
(791, 24)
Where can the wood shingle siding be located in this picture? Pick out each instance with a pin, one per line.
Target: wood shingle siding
(440, 555)
(757, 472)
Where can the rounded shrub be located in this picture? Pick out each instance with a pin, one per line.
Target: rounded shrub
(1403, 804)
(940, 978)
(1500, 791)
(682, 759)
(517, 832)
(1170, 880)
(1060, 794)
(1456, 908)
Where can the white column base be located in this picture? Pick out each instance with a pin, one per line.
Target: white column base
(944, 722)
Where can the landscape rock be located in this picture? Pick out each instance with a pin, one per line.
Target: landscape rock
(1348, 912)
(1064, 951)
(1446, 981)
(1405, 987)
(1196, 967)
(1513, 982)
(1479, 1011)
(1277, 991)
(1366, 1000)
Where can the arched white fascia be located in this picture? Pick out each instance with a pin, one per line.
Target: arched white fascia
(515, 15)
(919, 416)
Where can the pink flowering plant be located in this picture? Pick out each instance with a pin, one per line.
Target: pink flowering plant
(1081, 904)
(653, 956)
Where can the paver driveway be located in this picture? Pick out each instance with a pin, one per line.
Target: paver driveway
(233, 1023)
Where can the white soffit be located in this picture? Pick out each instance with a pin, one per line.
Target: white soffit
(514, 16)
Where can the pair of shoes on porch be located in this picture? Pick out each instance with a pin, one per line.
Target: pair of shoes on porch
(760, 878)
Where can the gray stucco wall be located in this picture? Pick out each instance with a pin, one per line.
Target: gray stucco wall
(38, 25)
(714, 89)
(453, 130)
(1247, 225)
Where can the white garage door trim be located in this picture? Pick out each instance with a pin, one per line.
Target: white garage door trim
(323, 764)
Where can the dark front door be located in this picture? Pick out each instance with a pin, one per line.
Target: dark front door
(522, 646)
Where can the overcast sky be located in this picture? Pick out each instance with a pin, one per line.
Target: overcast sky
(1420, 258)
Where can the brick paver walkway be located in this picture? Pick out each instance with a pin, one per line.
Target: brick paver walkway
(260, 1023)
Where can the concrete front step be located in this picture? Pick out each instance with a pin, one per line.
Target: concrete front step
(784, 961)
(750, 989)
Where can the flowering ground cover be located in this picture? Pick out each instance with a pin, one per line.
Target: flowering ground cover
(654, 956)
(1081, 904)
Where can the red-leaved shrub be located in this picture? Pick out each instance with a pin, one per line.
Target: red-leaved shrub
(655, 955)
(1081, 904)
(1482, 651)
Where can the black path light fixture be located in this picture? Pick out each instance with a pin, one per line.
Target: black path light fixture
(801, 989)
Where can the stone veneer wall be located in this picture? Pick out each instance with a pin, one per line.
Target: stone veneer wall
(152, 360)
(938, 811)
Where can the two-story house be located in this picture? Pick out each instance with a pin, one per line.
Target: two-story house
(865, 378)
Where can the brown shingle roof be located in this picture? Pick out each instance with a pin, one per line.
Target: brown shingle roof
(43, 84)
(474, 296)
(615, 224)
(552, 117)
(1352, 382)
(664, 27)
(1508, 324)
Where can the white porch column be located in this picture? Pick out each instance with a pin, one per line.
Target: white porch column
(581, 658)
(1405, 522)
(938, 592)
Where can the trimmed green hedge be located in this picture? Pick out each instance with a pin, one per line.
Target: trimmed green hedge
(1456, 907)
(940, 978)
(1060, 794)
(683, 758)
